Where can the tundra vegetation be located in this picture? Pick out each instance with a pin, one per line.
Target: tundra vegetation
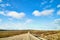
(49, 35)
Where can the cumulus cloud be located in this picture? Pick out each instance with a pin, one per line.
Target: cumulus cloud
(36, 13)
(43, 13)
(2, 13)
(58, 6)
(14, 14)
(58, 12)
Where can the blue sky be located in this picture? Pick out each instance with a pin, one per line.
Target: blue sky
(30, 14)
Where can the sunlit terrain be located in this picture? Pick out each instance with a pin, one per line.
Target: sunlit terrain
(40, 34)
(29, 19)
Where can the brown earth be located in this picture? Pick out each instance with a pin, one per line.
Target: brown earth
(49, 35)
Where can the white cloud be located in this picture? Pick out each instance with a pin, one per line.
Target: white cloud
(47, 12)
(43, 13)
(43, 2)
(2, 13)
(14, 14)
(58, 6)
(36, 13)
(17, 26)
(58, 12)
(0, 0)
(57, 21)
(13, 26)
(47, 6)
(5, 5)
(28, 21)
(54, 25)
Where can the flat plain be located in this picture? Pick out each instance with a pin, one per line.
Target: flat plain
(48, 35)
